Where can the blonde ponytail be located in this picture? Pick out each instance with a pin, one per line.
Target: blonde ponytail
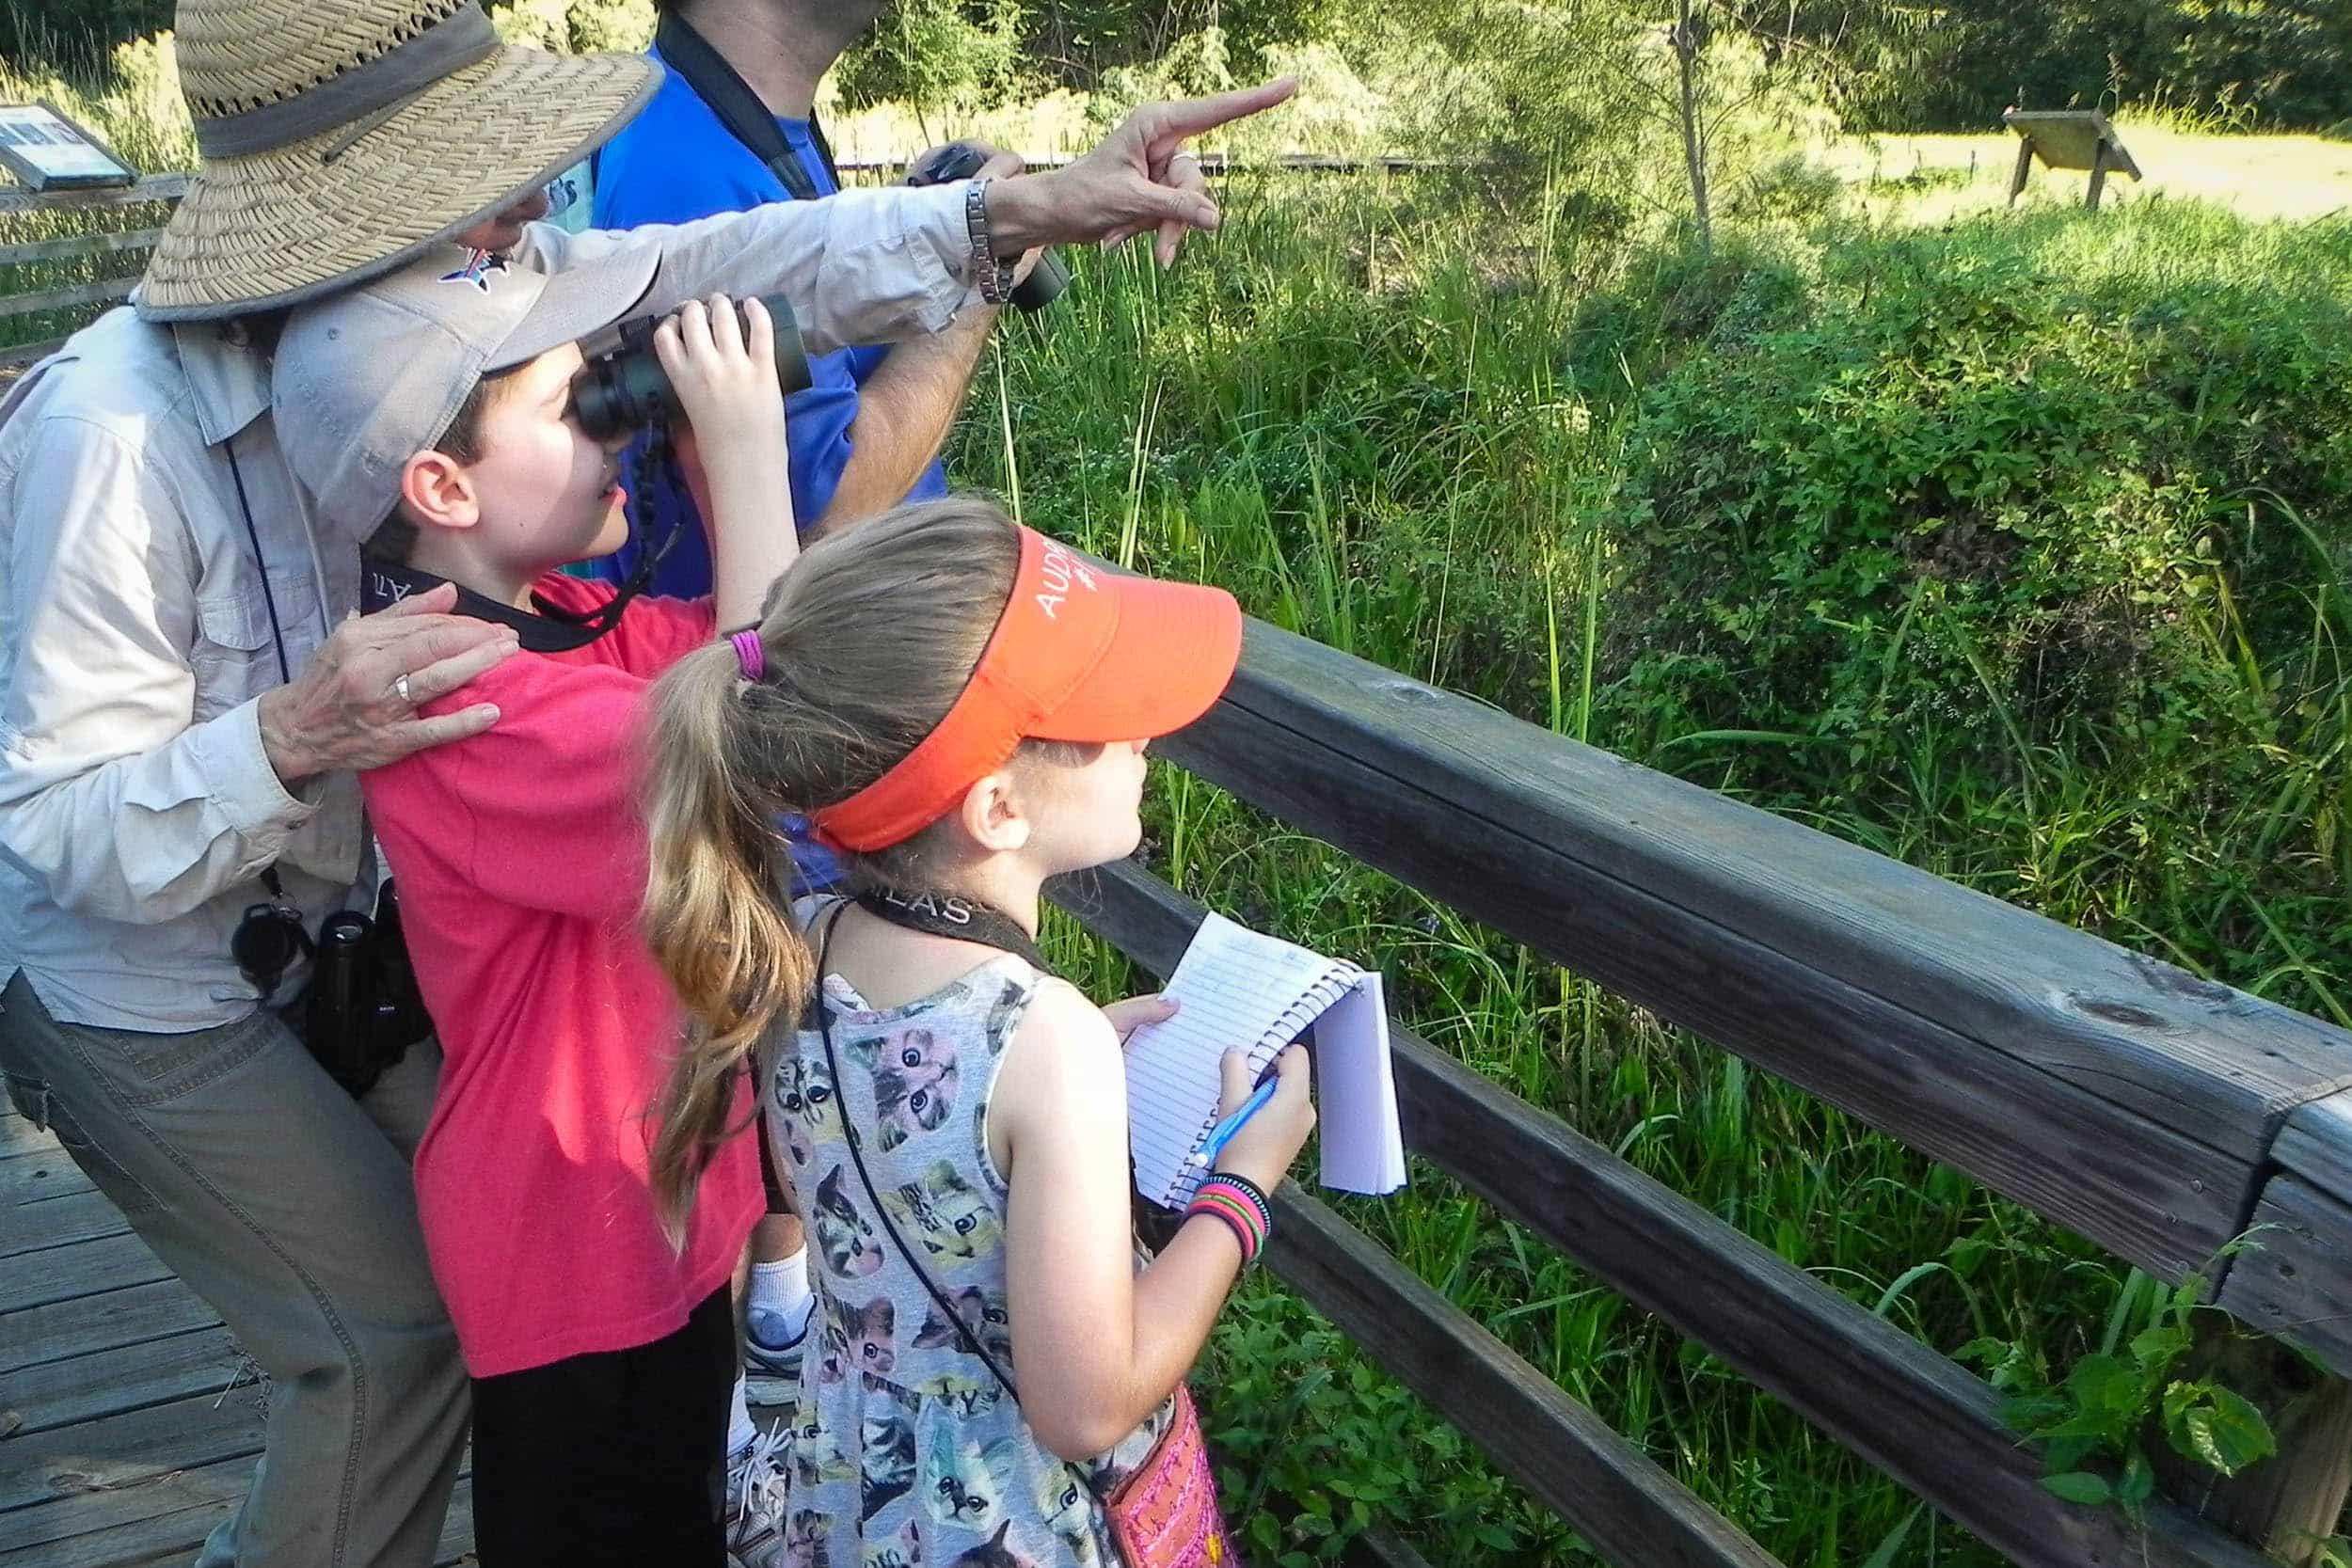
(713, 916)
(869, 637)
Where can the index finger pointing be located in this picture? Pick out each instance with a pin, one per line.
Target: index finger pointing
(1191, 115)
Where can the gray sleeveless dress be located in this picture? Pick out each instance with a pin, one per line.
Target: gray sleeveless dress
(902, 1447)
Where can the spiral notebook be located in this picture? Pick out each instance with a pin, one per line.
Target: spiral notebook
(1239, 986)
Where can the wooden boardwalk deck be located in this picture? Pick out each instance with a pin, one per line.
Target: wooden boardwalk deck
(129, 1422)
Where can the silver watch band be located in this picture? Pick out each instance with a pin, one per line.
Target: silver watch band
(995, 275)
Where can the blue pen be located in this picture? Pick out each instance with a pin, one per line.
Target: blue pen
(1222, 1134)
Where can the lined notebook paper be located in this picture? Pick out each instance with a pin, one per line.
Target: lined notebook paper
(1240, 987)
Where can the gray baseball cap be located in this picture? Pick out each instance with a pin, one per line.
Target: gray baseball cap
(366, 379)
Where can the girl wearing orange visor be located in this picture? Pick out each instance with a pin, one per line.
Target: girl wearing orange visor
(960, 705)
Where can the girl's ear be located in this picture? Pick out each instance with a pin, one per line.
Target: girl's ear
(436, 491)
(994, 815)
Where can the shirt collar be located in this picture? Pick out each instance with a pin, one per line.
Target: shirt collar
(231, 383)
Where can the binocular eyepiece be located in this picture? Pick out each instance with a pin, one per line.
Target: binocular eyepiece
(625, 387)
(960, 161)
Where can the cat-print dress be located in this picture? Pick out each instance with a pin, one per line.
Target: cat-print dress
(902, 1447)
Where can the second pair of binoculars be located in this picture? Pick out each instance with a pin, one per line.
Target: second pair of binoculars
(962, 160)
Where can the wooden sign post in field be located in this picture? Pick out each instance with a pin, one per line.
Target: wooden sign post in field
(2068, 138)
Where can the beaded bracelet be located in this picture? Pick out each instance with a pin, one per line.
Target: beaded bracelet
(1243, 1206)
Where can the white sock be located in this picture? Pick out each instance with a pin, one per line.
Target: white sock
(740, 1428)
(779, 1288)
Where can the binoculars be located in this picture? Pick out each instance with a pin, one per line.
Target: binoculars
(625, 389)
(960, 161)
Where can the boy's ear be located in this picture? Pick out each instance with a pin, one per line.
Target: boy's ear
(994, 815)
(439, 492)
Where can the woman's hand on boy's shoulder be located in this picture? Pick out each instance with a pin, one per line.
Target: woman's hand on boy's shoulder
(356, 705)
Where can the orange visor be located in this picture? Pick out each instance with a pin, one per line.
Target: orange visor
(1079, 653)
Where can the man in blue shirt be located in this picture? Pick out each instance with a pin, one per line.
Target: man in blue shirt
(867, 432)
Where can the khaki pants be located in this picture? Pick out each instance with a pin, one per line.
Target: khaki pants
(288, 1207)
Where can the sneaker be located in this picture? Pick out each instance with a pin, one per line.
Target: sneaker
(772, 1341)
(758, 1493)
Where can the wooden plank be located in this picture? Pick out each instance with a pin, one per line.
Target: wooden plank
(22, 1136)
(132, 1316)
(60, 1530)
(118, 1450)
(1606, 1489)
(2295, 1279)
(1915, 1415)
(67, 1274)
(161, 1541)
(1382, 1548)
(171, 1536)
(36, 1176)
(60, 1393)
(14, 360)
(457, 1528)
(103, 244)
(154, 187)
(61, 1221)
(2114, 1093)
(106, 291)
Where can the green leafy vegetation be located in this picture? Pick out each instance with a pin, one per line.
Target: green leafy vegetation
(2115, 1402)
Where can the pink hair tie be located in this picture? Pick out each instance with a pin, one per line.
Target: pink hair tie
(750, 653)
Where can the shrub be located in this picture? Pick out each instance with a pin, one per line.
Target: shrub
(2006, 506)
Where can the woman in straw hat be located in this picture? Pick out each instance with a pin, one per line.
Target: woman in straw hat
(183, 698)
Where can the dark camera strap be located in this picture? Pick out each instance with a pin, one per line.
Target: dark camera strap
(738, 108)
(551, 629)
(948, 915)
(384, 583)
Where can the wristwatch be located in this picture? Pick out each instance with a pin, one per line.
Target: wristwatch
(995, 275)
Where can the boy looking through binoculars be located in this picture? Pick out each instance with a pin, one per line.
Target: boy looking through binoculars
(602, 1359)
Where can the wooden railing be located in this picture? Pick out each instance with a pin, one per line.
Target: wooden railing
(155, 194)
(2154, 1112)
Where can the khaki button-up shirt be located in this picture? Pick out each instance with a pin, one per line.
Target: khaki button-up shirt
(145, 608)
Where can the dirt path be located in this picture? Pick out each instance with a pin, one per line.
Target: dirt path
(1931, 178)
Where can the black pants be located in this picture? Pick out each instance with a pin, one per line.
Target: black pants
(617, 1458)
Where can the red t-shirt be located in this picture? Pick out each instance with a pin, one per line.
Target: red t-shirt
(520, 858)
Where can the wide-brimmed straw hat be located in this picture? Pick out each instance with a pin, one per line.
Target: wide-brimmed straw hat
(339, 137)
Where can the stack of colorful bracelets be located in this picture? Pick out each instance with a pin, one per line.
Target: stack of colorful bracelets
(1241, 1204)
